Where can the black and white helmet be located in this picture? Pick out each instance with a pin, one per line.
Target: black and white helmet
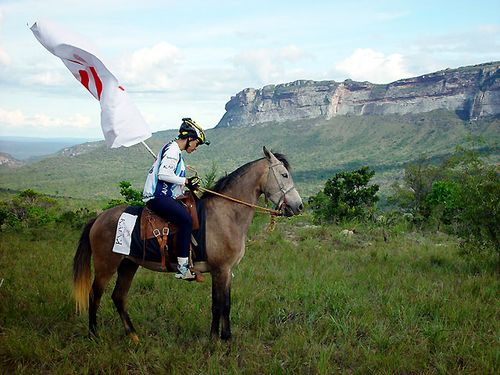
(190, 129)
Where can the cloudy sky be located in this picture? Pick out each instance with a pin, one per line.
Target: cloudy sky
(187, 58)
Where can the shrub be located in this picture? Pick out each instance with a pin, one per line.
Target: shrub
(461, 194)
(28, 208)
(131, 196)
(479, 212)
(211, 177)
(346, 195)
(78, 218)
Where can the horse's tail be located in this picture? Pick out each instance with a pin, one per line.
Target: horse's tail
(81, 270)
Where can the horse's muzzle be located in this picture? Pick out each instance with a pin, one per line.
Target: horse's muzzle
(291, 210)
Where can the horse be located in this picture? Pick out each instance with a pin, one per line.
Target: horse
(226, 228)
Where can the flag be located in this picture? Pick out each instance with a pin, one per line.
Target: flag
(121, 122)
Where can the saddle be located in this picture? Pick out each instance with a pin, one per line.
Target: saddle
(154, 226)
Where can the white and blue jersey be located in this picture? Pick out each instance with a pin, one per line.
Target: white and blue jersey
(167, 176)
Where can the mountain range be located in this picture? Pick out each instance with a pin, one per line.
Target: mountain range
(317, 140)
(471, 92)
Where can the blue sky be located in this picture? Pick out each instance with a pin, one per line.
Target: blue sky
(187, 58)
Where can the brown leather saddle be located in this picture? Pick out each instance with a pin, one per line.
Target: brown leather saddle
(154, 226)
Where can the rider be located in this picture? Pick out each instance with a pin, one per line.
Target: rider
(165, 182)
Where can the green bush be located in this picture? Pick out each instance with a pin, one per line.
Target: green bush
(210, 178)
(479, 214)
(78, 218)
(131, 196)
(28, 208)
(418, 180)
(461, 195)
(346, 196)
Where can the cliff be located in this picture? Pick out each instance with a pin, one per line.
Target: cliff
(7, 160)
(472, 92)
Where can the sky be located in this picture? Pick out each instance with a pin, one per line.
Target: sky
(187, 58)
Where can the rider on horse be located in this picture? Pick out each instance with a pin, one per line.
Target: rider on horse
(165, 182)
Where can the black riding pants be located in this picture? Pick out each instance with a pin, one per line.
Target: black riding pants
(174, 212)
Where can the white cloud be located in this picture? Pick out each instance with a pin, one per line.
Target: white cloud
(366, 64)
(11, 118)
(269, 65)
(489, 29)
(46, 79)
(40, 121)
(152, 68)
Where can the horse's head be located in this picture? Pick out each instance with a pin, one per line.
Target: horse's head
(279, 187)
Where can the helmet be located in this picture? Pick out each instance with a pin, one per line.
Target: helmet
(190, 129)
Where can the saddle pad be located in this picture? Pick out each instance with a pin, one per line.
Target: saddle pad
(128, 239)
(133, 245)
(124, 229)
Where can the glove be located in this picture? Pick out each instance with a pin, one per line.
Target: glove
(193, 183)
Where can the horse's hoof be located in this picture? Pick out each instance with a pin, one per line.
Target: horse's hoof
(134, 338)
(200, 278)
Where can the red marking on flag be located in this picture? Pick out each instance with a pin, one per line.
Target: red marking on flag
(79, 58)
(84, 79)
(98, 83)
(76, 62)
(121, 88)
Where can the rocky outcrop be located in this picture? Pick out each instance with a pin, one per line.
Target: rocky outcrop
(472, 92)
(7, 160)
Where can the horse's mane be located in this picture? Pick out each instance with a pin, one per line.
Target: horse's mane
(226, 181)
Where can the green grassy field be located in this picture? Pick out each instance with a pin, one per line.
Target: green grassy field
(306, 300)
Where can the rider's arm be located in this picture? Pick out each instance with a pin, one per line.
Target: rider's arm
(167, 168)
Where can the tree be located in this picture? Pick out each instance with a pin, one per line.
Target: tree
(131, 196)
(461, 195)
(346, 195)
(418, 181)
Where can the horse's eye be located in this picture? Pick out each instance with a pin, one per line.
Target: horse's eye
(285, 175)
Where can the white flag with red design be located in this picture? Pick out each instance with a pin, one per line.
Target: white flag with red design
(121, 121)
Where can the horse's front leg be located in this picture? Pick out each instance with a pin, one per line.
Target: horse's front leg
(221, 304)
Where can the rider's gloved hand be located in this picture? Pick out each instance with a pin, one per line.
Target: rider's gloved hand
(193, 183)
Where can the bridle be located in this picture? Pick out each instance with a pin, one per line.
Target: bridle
(284, 191)
(281, 202)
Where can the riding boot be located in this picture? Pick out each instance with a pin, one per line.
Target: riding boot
(183, 271)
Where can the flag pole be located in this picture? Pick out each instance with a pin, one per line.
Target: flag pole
(149, 149)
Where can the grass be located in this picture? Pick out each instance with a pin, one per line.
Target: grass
(306, 300)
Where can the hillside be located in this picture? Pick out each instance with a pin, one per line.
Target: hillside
(472, 92)
(315, 148)
(8, 161)
(30, 149)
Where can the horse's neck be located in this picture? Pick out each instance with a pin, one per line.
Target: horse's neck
(247, 189)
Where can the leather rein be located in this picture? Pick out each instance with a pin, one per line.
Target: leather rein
(261, 209)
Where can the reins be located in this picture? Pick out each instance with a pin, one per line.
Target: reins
(261, 210)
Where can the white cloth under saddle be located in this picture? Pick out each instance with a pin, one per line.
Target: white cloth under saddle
(123, 237)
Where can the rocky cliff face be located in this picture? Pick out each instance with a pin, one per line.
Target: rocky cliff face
(472, 92)
(7, 160)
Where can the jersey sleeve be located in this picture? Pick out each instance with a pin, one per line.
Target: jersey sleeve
(168, 168)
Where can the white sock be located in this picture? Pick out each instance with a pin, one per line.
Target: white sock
(182, 261)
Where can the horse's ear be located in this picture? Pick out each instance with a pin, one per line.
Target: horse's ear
(266, 153)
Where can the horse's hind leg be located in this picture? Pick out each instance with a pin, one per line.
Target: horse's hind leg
(100, 282)
(126, 273)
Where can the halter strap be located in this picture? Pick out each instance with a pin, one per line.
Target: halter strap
(284, 191)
